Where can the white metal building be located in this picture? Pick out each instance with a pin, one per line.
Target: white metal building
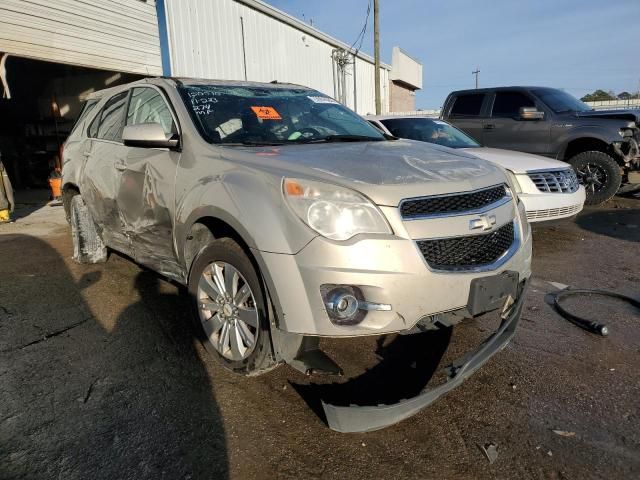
(249, 39)
(118, 35)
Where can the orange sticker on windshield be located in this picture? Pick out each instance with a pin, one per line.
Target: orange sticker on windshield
(266, 113)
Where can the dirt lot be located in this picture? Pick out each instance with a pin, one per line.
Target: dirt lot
(100, 377)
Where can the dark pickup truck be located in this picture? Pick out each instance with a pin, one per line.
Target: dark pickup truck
(601, 145)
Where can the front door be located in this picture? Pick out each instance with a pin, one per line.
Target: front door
(505, 129)
(146, 196)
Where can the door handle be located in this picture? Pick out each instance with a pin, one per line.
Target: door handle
(87, 153)
(120, 165)
(488, 126)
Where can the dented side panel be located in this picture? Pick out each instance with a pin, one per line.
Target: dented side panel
(99, 185)
(145, 203)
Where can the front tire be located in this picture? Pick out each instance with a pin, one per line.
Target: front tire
(599, 173)
(88, 247)
(229, 308)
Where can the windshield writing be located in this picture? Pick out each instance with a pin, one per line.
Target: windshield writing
(249, 115)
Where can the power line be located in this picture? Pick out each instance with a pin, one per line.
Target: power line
(360, 37)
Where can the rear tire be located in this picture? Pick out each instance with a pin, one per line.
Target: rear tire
(230, 311)
(599, 173)
(87, 244)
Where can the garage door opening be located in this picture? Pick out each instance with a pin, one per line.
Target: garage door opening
(36, 115)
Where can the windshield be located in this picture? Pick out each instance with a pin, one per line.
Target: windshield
(260, 115)
(427, 130)
(559, 101)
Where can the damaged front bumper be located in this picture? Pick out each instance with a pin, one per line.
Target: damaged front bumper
(368, 418)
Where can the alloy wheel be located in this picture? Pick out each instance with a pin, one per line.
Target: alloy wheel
(227, 310)
(593, 177)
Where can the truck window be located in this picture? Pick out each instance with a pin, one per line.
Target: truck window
(508, 104)
(467, 105)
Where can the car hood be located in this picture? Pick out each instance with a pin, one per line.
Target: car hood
(632, 115)
(517, 162)
(385, 171)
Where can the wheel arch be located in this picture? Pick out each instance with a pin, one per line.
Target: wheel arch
(585, 143)
(69, 190)
(205, 228)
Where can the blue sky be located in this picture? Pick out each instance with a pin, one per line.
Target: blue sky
(577, 45)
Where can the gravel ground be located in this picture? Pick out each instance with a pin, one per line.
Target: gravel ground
(100, 377)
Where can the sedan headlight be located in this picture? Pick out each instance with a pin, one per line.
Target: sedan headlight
(334, 212)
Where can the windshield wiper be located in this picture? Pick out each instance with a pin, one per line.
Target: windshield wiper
(250, 143)
(342, 138)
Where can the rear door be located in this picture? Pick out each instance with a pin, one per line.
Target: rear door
(146, 195)
(103, 170)
(467, 113)
(506, 130)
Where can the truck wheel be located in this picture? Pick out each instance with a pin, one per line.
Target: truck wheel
(229, 308)
(87, 244)
(600, 175)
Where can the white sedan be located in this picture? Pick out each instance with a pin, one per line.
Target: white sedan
(548, 188)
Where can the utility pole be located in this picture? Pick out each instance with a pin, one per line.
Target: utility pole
(476, 73)
(376, 53)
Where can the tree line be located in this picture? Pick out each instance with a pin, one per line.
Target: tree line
(600, 95)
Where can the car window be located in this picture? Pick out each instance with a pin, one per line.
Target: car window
(109, 123)
(429, 130)
(146, 105)
(87, 108)
(468, 105)
(234, 114)
(508, 104)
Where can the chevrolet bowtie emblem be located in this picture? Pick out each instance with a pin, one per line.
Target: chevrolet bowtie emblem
(485, 222)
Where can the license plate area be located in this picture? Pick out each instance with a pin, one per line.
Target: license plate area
(490, 293)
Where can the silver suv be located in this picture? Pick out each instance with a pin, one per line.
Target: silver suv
(290, 218)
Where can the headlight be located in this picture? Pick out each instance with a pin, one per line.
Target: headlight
(334, 212)
(514, 181)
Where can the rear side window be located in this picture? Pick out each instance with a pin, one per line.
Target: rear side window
(467, 105)
(109, 123)
(86, 110)
(508, 104)
(148, 106)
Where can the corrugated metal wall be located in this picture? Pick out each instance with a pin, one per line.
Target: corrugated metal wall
(206, 40)
(119, 35)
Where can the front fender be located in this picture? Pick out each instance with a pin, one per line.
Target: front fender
(563, 138)
(251, 203)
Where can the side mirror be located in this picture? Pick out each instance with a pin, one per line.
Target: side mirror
(531, 113)
(148, 135)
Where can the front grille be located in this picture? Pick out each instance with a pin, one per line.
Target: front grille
(553, 212)
(559, 181)
(459, 202)
(460, 253)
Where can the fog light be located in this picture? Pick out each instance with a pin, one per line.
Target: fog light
(344, 304)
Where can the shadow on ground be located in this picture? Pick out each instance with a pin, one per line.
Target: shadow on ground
(117, 393)
(623, 224)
